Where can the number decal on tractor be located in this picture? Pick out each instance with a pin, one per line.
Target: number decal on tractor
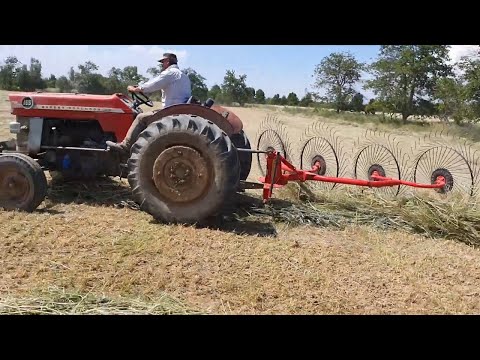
(27, 102)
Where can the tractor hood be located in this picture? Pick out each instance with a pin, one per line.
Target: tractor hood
(40, 104)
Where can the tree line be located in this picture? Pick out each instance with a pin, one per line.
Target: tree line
(85, 79)
(411, 80)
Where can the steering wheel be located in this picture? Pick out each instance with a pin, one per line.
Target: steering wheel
(141, 98)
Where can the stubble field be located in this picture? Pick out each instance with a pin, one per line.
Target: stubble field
(86, 251)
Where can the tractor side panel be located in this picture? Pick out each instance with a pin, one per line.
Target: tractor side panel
(113, 112)
(117, 124)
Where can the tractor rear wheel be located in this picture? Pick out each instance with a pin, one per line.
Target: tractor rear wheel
(182, 169)
(241, 141)
(23, 185)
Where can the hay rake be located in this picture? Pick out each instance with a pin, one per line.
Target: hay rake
(378, 162)
(445, 155)
(322, 146)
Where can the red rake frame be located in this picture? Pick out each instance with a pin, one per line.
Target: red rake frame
(280, 172)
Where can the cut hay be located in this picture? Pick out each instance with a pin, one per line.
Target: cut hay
(448, 219)
(56, 301)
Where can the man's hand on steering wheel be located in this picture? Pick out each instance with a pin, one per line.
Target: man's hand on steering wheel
(133, 88)
(137, 94)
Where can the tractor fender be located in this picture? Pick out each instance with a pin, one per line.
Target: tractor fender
(231, 117)
(223, 118)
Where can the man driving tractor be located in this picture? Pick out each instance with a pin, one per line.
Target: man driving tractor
(176, 88)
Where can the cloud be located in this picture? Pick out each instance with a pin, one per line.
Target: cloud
(457, 51)
(57, 59)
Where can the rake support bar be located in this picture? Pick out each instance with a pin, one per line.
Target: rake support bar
(280, 172)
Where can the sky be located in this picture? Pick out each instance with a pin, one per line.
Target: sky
(276, 69)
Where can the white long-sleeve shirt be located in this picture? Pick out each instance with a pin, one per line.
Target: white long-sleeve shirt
(175, 84)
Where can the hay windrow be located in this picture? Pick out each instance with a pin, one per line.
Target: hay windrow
(449, 218)
(56, 301)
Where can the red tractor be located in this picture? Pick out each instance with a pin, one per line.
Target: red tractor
(182, 168)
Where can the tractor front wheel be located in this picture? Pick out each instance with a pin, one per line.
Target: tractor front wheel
(23, 185)
(182, 169)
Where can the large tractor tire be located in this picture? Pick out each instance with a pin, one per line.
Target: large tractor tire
(23, 185)
(241, 141)
(182, 169)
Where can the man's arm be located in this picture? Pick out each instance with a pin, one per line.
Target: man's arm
(157, 83)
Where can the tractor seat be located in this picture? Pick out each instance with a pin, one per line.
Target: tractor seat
(193, 100)
(209, 103)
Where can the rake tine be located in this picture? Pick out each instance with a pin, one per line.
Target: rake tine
(320, 144)
(272, 134)
(381, 152)
(453, 158)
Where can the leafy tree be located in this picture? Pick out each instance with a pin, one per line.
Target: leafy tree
(87, 68)
(130, 76)
(51, 82)
(385, 107)
(199, 88)
(292, 99)
(12, 61)
(23, 79)
(370, 107)
(63, 84)
(338, 73)
(250, 94)
(471, 78)
(8, 73)
(87, 81)
(71, 75)
(275, 100)
(234, 88)
(356, 104)
(307, 100)
(36, 81)
(215, 92)
(405, 73)
(114, 82)
(16, 76)
(425, 108)
(260, 97)
(154, 71)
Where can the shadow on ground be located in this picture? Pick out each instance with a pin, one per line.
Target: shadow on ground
(236, 216)
(240, 216)
(102, 191)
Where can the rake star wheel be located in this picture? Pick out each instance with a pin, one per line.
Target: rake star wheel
(271, 136)
(447, 162)
(322, 147)
(444, 157)
(452, 159)
(379, 154)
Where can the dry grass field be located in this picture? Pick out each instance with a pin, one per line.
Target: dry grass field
(85, 250)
